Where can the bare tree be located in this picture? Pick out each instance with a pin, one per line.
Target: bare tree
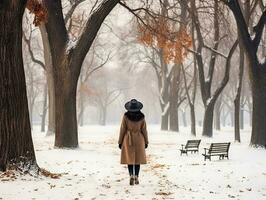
(208, 98)
(256, 69)
(67, 60)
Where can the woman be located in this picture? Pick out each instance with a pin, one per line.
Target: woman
(133, 139)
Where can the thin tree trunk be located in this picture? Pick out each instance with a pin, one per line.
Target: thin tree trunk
(164, 121)
(232, 117)
(238, 94)
(237, 126)
(103, 118)
(241, 116)
(51, 105)
(218, 114)
(81, 112)
(224, 118)
(184, 118)
(50, 80)
(16, 144)
(193, 119)
(44, 109)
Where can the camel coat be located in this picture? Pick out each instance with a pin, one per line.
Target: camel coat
(133, 137)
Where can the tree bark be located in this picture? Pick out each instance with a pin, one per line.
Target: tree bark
(193, 119)
(16, 144)
(258, 137)
(208, 120)
(173, 100)
(218, 114)
(65, 114)
(44, 109)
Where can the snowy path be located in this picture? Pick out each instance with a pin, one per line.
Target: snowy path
(93, 171)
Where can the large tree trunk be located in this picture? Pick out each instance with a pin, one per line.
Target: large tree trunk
(65, 114)
(16, 145)
(259, 109)
(44, 109)
(208, 120)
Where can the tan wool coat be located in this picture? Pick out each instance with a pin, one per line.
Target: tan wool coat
(133, 137)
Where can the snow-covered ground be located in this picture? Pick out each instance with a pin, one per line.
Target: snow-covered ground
(93, 171)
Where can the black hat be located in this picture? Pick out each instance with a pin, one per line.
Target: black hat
(133, 105)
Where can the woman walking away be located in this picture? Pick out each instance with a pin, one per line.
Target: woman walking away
(133, 139)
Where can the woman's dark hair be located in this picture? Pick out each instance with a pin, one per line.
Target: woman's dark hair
(134, 116)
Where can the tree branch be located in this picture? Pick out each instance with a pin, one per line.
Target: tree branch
(27, 41)
(72, 9)
(259, 30)
(90, 32)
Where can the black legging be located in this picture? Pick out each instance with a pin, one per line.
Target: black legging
(131, 167)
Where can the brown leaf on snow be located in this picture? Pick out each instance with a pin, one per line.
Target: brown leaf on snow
(157, 166)
(46, 173)
(8, 175)
(163, 193)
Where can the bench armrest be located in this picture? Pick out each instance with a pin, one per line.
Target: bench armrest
(182, 146)
(205, 150)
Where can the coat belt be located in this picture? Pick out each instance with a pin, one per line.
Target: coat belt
(130, 137)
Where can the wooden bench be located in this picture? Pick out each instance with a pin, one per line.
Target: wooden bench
(217, 149)
(192, 146)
